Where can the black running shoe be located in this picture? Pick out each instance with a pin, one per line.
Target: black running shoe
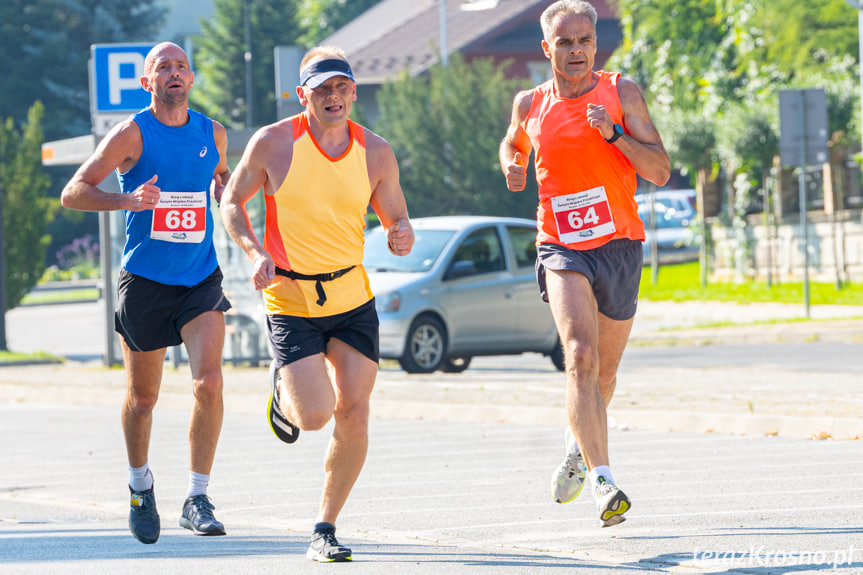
(143, 517)
(284, 429)
(198, 516)
(325, 548)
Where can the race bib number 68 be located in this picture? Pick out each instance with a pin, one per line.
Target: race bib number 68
(583, 216)
(180, 217)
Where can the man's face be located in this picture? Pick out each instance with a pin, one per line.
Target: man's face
(167, 75)
(572, 47)
(331, 101)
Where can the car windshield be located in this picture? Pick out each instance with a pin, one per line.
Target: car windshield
(428, 245)
(665, 218)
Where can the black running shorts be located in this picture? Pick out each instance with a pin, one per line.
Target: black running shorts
(613, 270)
(294, 338)
(150, 314)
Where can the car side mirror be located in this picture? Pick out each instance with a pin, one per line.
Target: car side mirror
(460, 269)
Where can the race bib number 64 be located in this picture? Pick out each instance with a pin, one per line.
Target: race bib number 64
(582, 216)
(180, 217)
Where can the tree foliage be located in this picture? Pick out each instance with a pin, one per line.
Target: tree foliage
(800, 38)
(220, 63)
(724, 58)
(445, 129)
(220, 58)
(26, 210)
(46, 45)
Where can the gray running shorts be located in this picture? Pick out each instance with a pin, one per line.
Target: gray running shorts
(613, 270)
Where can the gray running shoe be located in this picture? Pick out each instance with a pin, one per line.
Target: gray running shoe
(325, 548)
(198, 516)
(282, 428)
(611, 502)
(568, 479)
(143, 516)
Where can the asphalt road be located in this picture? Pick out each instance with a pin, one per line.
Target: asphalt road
(458, 470)
(435, 497)
(76, 331)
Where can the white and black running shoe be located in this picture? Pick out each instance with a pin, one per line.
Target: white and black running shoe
(284, 429)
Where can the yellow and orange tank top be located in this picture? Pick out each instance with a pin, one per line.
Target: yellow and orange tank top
(315, 223)
(586, 185)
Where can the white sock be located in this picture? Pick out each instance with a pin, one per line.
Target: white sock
(140, 478)
(571, 443)
(603, 470)
(197, 484)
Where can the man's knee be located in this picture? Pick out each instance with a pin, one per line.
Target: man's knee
(353, 415)
(141, 402)
(208, 387)
(581, 358)
(313, 418)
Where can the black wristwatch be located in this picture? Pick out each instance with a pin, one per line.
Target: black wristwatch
(618, 132)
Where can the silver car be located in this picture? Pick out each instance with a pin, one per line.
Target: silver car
(468, 288)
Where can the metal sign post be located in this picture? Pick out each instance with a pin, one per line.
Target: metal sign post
(115, 92)
(803, 142)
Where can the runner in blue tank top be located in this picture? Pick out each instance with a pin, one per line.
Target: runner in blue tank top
(169, 159)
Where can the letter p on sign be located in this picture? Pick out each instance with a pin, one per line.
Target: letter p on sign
(119, 62)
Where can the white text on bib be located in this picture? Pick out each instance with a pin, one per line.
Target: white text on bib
(582, 216)
(180, 217)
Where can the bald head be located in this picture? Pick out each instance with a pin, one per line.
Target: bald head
(164, 51)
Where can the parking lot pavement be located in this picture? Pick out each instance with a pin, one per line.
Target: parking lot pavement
(435, 497)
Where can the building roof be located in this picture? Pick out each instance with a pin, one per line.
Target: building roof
(395, 35)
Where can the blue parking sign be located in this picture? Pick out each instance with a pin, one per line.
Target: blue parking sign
(117, 69)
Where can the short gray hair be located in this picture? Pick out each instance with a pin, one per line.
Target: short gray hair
(579, 7)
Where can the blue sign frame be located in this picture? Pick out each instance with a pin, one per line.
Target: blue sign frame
(117, 69)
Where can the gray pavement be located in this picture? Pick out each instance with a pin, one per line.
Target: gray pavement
(716, 458)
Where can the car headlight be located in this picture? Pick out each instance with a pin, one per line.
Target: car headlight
(388, 302)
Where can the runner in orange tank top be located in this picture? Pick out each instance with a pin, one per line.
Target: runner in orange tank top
(319, 172)
(591, 133)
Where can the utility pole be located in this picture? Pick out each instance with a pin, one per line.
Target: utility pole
(3, 346)
(250, 113)
(444, 49)
(858, 4)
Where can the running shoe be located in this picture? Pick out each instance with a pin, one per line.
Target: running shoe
(611, 502)
(198, 516)
(284, 429)
(143, 517)
(568, 479)
(325, 548)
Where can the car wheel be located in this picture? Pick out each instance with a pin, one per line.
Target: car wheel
(455, 364)
(425, 346)
(557, 357)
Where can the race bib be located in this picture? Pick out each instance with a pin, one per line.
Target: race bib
(582, 216)
(180, 217)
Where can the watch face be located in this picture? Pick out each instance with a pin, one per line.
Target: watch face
(618, 129)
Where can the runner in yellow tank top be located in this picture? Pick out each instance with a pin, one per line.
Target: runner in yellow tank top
(591, 133)
(315, 224)
(319, 172)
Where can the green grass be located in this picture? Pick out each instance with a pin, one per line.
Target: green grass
(10, 357)
(60, 296)
(681, 283)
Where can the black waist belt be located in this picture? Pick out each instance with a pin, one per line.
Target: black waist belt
(317, 278)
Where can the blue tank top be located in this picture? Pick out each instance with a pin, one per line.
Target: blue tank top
(184, 158)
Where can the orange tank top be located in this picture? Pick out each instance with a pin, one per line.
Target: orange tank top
(315, 224)
(586, 185)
